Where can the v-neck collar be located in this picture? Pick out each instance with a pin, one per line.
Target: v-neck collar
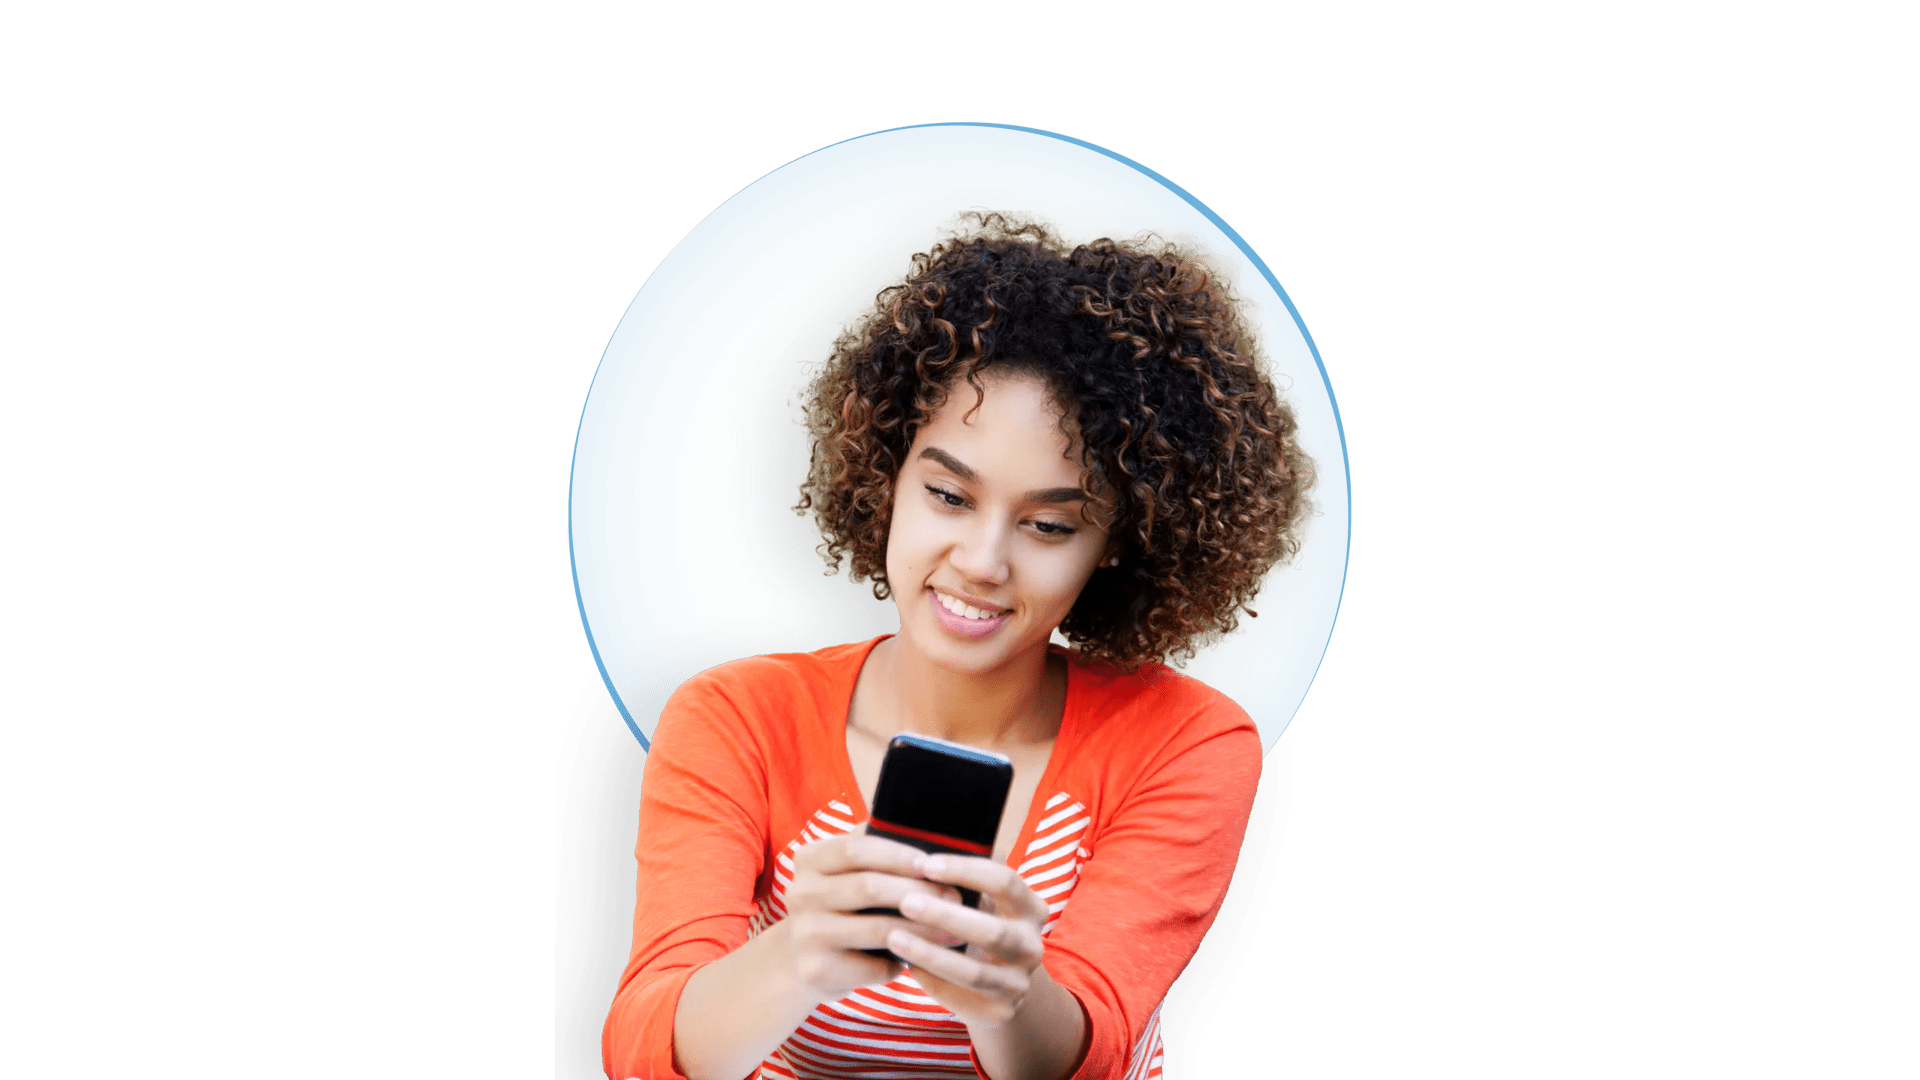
(1069, 725)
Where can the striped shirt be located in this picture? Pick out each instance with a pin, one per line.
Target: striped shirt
(1130, 840)
(896, 1029)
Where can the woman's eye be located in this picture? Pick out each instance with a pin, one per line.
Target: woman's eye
(946, 496)
(1053, 528)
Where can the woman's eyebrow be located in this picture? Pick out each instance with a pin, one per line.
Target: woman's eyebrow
(959, 468)
(951, 464)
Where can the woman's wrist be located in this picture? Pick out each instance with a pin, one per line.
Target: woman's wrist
(779, 964)
(1045, 1039)
(740, 1007)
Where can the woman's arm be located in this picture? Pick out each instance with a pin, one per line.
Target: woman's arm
(1045, 1040)
(701, 851)
(698, 997)
(1023, 1024)
(1160, 867)
(734, 1011)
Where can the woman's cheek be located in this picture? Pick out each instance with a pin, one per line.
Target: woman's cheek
(1060, 583)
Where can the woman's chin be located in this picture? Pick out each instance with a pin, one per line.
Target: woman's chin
(964, 655)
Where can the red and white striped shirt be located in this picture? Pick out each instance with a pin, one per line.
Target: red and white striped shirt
(896, 1029)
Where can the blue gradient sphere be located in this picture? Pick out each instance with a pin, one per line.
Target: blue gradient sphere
(688, 460)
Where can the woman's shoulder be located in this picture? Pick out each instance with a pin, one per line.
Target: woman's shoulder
(777, 684)
(830, 664)
(1155, 692)
(1154, 722)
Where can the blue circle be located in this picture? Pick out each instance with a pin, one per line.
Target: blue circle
(682, 546)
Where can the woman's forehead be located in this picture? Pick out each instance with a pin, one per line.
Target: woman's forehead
(1012, 425)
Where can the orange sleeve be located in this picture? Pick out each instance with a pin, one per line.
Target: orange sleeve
(703, 830)
(1157, 874)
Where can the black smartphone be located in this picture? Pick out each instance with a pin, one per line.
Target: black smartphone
(940, 797)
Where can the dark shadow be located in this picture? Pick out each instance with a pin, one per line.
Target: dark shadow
(596, 796)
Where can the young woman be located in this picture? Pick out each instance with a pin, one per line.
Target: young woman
(1020, 439)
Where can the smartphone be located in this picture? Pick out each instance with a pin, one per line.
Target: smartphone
(940, 797)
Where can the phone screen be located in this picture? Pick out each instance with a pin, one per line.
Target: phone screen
(939, 797)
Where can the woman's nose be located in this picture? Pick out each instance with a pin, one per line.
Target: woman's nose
(981, 555)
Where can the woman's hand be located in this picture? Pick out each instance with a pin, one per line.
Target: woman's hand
(833, 879)
(989, 983)
(735, 1011)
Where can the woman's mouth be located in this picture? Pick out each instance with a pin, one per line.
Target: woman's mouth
(963, 619)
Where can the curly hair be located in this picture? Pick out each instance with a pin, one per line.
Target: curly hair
(1186, 448)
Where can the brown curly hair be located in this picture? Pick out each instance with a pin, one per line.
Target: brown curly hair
(1185, 445)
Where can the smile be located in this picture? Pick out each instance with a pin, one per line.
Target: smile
(966, 611)
(960, 618)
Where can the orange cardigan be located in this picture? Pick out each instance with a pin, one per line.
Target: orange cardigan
(1154, 774)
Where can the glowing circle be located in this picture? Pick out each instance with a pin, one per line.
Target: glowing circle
(686, 553)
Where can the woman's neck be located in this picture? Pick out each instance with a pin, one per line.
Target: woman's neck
(1019, 703)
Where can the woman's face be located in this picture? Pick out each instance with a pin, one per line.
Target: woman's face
(988, 547)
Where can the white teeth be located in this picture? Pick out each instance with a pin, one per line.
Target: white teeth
(964, 610)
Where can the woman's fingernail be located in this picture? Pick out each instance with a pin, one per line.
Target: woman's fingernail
(920, 864)
(897, 940)
(933, 864)
(913, 904)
